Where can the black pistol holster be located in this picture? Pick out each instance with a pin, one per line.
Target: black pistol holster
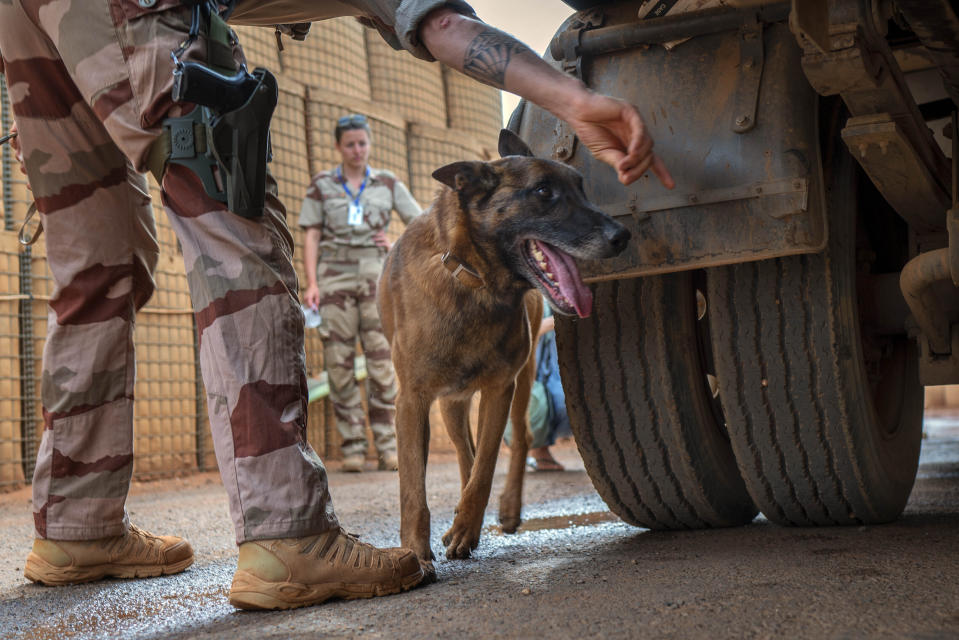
(225, 140)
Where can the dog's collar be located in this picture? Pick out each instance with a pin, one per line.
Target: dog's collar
(462, 272)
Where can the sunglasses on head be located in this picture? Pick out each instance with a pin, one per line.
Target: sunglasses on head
(351, 121)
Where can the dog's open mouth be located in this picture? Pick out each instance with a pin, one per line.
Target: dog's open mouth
(557, 273)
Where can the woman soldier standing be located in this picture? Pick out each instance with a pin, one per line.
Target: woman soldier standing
(345, 214)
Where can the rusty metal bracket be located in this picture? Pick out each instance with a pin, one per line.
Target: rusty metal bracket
(751, 62)
(810, 19)
(886, 131)
(893, 161)
(936, 368)
(571, 39)
(916, 281)
(564, 142)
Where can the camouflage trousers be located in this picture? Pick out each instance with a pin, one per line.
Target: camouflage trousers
(88, 96)
(348, 308)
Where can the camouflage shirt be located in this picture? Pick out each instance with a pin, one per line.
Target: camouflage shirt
(327, 206)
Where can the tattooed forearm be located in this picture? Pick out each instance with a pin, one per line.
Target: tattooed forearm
(488, 55)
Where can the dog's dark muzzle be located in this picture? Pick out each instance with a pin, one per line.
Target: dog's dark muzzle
(618, 237)
(593, 235)
(615, 237)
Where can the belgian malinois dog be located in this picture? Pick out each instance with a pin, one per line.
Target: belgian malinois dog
(460, 297)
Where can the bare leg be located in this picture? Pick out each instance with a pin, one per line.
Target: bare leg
(511, 500)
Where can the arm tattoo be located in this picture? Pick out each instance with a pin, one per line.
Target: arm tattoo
(488, 55)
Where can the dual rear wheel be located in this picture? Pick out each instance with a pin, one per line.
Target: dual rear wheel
(779, 398)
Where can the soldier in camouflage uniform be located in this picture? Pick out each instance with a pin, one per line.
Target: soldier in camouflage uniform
(90, 84)
(346, 213)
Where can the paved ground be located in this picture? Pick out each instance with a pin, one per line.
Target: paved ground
(573, 571)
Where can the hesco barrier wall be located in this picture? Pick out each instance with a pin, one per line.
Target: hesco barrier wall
(410, 86)
(471, 107)
(431, 148)
(333, 56)
(422, 116)
(11, 396)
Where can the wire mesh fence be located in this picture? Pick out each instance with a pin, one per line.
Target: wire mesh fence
(320, 81)
(13, 448)
(474, 109)
(434, 147)
(11, 396)
(259, 47)
(411, 87)
(333, 56)
(14, 195)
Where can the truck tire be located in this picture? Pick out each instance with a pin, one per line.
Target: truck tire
(641, 410)
(825, 431)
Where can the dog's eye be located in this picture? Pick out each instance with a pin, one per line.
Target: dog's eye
(544, 192)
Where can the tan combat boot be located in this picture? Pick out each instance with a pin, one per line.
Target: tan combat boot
(295, 572)
(388, 461)
(353, 463)
(135, 554)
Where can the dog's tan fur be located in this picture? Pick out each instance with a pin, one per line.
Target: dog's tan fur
(461, 317)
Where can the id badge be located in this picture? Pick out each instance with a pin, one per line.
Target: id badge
(356, 214)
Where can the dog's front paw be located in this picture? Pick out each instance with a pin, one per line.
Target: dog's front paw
(459, 542)
(509, 513)
(509, 523)
(429, 572)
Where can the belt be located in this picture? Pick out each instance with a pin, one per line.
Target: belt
(351, 253)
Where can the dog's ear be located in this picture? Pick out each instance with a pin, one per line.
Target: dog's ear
(468, 177)
(511, 144)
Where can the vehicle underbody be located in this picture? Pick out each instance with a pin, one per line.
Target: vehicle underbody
(764, 342)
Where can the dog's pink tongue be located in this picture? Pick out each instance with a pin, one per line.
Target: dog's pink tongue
(567, 276)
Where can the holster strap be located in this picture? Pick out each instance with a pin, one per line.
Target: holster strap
(24, 236)
(162, 149)
(343, 252)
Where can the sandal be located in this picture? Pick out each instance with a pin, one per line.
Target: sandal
(543, 464)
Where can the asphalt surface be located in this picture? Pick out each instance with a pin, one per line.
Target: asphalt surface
(574, 570)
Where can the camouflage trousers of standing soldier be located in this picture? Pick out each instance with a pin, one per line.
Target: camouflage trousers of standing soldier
(88, 103)
(347, 280)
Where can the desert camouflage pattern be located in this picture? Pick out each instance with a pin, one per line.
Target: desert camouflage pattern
(348, 308)
(90, 85)
(326, 206)
(347, 275)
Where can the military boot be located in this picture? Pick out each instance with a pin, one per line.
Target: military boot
(388, 461)
(295, 572)
(135, 554)
(353, 463)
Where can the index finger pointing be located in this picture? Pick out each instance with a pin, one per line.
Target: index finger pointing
(660, 171)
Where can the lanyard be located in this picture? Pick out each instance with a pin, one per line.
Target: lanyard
(346, 185)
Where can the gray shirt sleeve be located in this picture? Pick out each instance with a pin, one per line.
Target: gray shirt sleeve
(396, 20)
(410, 14)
